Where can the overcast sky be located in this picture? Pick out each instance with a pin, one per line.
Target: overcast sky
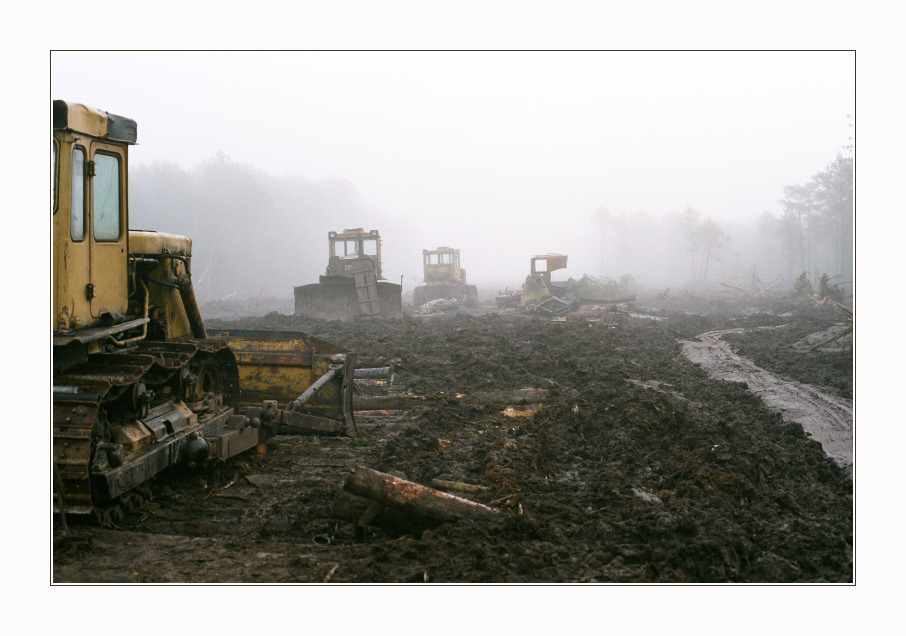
(493, 137)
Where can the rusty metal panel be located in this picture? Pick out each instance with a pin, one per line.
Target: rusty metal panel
(73, 420)
(228, 442)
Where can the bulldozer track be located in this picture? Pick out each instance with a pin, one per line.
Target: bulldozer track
(111, 388)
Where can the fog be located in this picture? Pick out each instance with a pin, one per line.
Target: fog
(504, 155)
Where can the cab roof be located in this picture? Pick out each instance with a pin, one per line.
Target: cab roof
(94, 122)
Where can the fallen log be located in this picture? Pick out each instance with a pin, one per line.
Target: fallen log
(391, 402)
(411, 498)
(846, 332)
(402, 402)
(445, 484)
(373, 372)
(362, 512)
(520, 396)
(295, 423)
(737, 287)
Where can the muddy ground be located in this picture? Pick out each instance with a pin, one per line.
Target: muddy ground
(638, 466)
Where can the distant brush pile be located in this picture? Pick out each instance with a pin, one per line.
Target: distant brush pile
(591, 289)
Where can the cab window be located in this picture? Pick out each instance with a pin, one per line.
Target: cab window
(106, 211)
(348, 247)
(77, 205)
(370, 247)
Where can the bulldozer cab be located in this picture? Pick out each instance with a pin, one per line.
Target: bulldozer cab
(442, 266)
(544, 264)
(90, 251)
(444, 278)
(351, 246)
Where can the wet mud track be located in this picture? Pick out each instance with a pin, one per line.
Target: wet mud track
(825, 417)
(636, 466)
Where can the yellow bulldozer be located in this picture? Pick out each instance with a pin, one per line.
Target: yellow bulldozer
(139, 384)
(353, 285)
(444, 278)
(540, 294)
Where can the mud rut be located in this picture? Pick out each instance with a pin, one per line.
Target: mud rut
(827, 418)
(637, 467)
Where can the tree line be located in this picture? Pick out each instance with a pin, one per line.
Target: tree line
(815, 230)
(255, 233)
(252, 233)
(811, 239)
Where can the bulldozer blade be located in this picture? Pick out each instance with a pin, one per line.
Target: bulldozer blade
(436, 291)
(280, 365)
(337, 298)
(391, 299)
(328, 301)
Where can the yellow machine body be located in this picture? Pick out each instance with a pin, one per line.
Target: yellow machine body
(139, 385)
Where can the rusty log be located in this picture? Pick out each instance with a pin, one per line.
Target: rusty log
(411, 498)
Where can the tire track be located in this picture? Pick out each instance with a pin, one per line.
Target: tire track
(827, 418)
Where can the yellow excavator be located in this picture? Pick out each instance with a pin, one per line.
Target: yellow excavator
(139, 384)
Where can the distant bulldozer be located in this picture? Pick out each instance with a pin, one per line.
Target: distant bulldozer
(353, 286)
(444, 278)
(542, 295)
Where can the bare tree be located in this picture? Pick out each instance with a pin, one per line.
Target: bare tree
(712, 240)
(798, 204)
(689, 222)
(706, 240)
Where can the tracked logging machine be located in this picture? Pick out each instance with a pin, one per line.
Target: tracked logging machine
(540, 294)
(353, 285)
(139, 384)
(444, 278)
